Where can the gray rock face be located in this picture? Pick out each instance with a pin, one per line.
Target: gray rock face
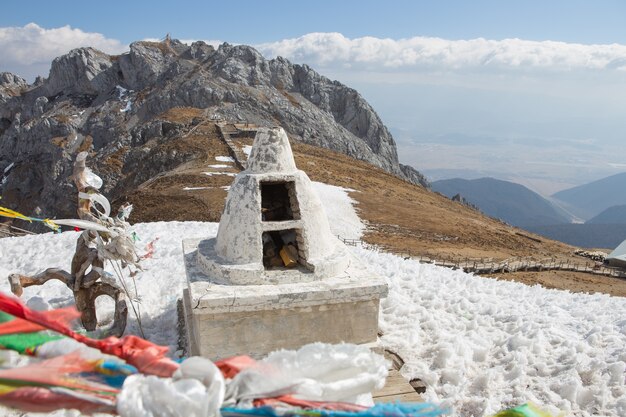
(111, 106)
(81, 71)
(414, 176)
(11, 80)
(11, 86)
(145, 62)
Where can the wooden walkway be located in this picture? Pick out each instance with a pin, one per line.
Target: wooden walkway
(227, 130)
(516, 265)
(397, 388)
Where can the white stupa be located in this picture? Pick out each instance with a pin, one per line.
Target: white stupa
(275, 276)
(272, 202)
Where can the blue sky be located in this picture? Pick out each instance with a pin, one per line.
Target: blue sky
(265, 20)
(529, 91)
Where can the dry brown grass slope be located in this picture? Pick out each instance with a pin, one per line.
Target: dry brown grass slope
(401, 217)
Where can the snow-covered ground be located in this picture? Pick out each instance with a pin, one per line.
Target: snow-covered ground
(159, 286)
(480, 345)
(340, 211)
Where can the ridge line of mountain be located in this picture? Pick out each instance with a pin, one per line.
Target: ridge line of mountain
(112, 106)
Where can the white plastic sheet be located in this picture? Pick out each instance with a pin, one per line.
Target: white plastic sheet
(92, 179)
(82, 224)
(86, 176)
(318, 372)
(100, 200)
(195, 390)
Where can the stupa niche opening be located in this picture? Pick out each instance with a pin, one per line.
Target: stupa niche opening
(281, 250)
(278, 201)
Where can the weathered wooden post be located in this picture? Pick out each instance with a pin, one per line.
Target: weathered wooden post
(87, 268)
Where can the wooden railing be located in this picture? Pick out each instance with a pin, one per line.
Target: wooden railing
(7, 230)
(491, 266)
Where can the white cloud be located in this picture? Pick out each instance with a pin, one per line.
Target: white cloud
(335, 50)
(28, 51)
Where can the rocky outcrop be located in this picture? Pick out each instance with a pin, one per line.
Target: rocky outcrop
(8, 80)
(146, 62)
(11, 86)
(111, 106)
(414, 176)
(82, 71)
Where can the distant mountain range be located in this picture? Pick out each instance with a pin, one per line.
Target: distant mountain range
(602, 202)
(589, 200)
(612, 215)
(510, 202)
(606, 230)
(595, 235)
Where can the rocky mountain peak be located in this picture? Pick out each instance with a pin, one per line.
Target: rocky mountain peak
(146, 61)
(240, 64)
(198, 51)
(11, 80)
(113, 105)
(11, 85)
(82, 71)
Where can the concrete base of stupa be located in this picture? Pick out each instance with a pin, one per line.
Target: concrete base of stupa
(228, 320)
